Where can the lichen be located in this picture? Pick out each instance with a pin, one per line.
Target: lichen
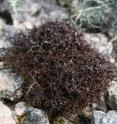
(61, 72)
(96, 15)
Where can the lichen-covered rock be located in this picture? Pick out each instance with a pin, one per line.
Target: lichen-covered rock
(112, 95)
(9, 85)
(100, 42)
(96, 15)
(6, 115)
(100, 117)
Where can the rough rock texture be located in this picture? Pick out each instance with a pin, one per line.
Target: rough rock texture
(100, 42)
(6, 115)
(19, 109)
(112, 95)
(36, 116)
(34, 11)
(9, 85)
(115, 50)
(24, 114)
(100, 117)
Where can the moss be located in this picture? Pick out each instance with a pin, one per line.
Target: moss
(61, 72)
(20, 119)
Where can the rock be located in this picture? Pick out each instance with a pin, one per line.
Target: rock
(36, 116)
(9, 85)
(115, 49)
(43, 11)
(2, 23)
(100, 117)
(7, 32)
(74, 5)
(6, 115)
(95, 16)
(20, 109)
(24, 114)
(33, 11)
(112, 95)
(97, 116)
(100, 42)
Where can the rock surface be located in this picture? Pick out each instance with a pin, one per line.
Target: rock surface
(112, 95)
(9, 85)
(100, 117)
(6, 115)
(20, 109)
(36, 116)
(101, 43)
(34, 11)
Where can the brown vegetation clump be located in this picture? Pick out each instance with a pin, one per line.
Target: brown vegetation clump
(61, 72)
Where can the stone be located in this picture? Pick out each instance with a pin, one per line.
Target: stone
(44, 10)
(23, 114)
(6, 115)
(112, 95)
(33, 11)
(9, 85)
(36, 116)
(20, 109)
(101, 43)
(100, 117)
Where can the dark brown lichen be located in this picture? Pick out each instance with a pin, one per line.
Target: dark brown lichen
(61, 72)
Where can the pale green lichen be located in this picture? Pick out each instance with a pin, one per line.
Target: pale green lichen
(96, 14)
(15, 8)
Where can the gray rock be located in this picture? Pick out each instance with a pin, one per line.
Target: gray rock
(7, 32)
(29, 115)
(112, 95)
(41, 11)
(101, 43)
(100, 117)
(36, 116)
(9, 85)
(6, 115)
(33, 11)
(20, 109)
(97, 116)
